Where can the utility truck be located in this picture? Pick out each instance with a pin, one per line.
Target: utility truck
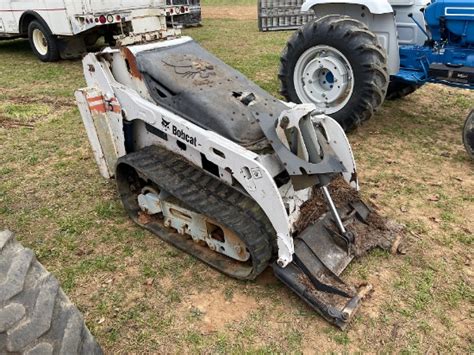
(66, 28)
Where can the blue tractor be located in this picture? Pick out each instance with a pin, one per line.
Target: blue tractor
(357, 53)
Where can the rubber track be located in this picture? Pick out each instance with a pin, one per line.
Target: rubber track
(209, 196)
(362, 49)
(36, 317)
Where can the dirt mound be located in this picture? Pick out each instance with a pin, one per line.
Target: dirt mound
(377, 231)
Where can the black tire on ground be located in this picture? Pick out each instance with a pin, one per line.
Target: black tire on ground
(36, 317)
(51, 54)
(399, 89)
(362, 50)
(468, 134)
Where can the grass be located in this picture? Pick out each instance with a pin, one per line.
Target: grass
(228, 2)
(53, 197)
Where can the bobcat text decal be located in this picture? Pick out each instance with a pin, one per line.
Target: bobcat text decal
(178, 132)
(184, 136)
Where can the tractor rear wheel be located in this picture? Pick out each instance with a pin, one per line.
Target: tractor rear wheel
(36, 317)
(336, 63)
(468, 134)
(399, 89)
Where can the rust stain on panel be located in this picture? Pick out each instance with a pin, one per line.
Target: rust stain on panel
(131, 63)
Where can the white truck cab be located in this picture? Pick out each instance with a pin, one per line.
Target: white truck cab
(64, 28)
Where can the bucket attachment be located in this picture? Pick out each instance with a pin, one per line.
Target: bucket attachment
(321, 255)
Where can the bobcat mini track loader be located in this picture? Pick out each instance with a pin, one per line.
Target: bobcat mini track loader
(219, 168)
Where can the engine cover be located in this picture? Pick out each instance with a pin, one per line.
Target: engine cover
(191, 82)
(452, 20)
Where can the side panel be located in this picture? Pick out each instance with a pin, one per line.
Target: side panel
(76, 7)
(98, 6)
(408, 31)
(7, 20)
(53, 12)
(76, 11)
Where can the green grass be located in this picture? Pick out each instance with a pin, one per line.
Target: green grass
(52, 196)
(228, 2)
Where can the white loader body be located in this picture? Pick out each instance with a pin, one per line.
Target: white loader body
(113, 91)
(216, 166)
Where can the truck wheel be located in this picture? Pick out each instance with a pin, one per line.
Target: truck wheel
(336, 63)
(36, 317)
(399, 89)
(468, 134)
(42, 42)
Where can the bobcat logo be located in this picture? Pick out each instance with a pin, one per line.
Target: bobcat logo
(193, 69)
(165, 124)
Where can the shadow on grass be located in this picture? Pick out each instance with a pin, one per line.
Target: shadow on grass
(20, 46)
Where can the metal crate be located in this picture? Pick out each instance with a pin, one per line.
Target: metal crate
(278, 15)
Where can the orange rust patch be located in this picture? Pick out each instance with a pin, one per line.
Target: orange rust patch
(131, 62)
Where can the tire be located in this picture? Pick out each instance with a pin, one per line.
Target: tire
(354, 49)
(399, 89)
(36, 317)
(468, 135)
(42, 42)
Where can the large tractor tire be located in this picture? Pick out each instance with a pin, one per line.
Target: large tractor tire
(468, 134)
(336, 63)
(36, 317)
(398, 89)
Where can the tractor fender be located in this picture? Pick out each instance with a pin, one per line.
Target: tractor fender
(378, 15)
(377, 7)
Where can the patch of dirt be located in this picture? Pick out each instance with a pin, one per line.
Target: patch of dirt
(377, 231)
(58, 105)
(267, 278)
(341, 193)
(8, 123)
(217, 310)
(237, 12)
(56, 101)
(379, 279)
